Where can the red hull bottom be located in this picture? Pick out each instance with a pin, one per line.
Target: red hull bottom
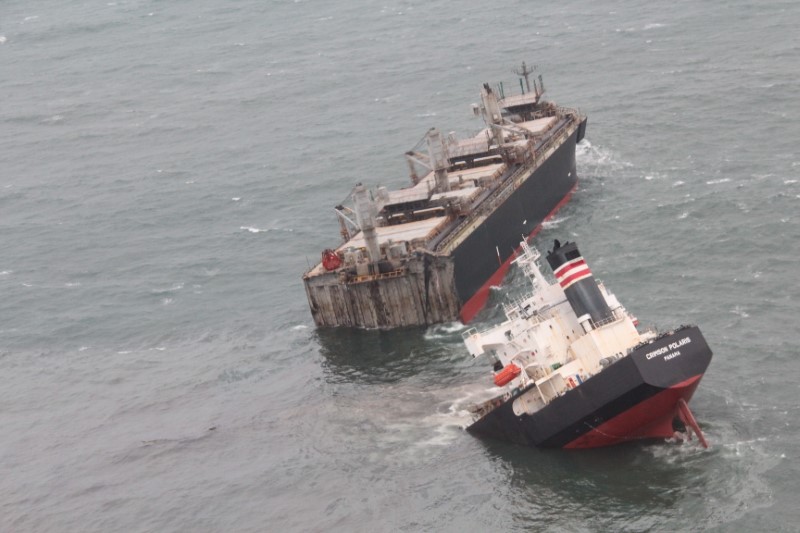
(649, 419)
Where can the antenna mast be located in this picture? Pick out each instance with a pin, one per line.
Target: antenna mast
(524, 72)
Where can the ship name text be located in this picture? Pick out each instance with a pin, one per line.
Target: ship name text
(670, 350)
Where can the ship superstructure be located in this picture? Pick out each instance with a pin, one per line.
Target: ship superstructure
(428, 253)
(575, 370)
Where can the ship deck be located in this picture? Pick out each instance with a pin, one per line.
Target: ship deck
(412, 231)
(465, 177)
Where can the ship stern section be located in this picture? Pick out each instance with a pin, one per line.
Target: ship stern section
(637, 397)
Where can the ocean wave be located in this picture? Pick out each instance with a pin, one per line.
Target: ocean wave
(738, 310)
(448, 327)
(554, 222)
(173, 288)
(253, 229)
(589, 155)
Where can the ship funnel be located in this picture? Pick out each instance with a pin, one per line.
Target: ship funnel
(579, 285)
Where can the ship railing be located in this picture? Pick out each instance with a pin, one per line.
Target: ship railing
(374, 277)
(516, 307)
(509, 186)
(606, 321)
(480, 410)
(469, 333)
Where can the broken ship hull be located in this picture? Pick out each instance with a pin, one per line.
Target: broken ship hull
(637, 397)
(454, 282)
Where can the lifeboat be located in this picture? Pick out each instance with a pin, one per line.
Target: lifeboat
(506, 375)
(331, 260)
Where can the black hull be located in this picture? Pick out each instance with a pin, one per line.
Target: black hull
(636, 397)
(482, 259)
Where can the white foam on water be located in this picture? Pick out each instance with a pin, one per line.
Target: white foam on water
(653, 26)
(683, 215)
(738, 310)
(6, 272)
(166, 301)
(448, 327)
(789, 182)
(236, 199)
(252, 229)
(299, 327)
(678, 183)
(3, 39)
(173, 288)
(715, 182)
(554, 222)
(589, 155)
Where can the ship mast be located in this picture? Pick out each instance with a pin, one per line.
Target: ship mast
(524, 72)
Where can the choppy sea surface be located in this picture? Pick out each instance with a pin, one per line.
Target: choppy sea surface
(168, 171)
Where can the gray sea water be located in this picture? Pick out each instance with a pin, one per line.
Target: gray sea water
(168, 171)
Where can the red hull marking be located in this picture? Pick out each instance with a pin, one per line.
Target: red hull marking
(478, 300)
(651, 418)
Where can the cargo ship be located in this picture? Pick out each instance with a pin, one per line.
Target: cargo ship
(575, 372)
(429, 253)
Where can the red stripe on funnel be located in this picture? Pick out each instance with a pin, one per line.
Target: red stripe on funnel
(568, 266)
(583, 273)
